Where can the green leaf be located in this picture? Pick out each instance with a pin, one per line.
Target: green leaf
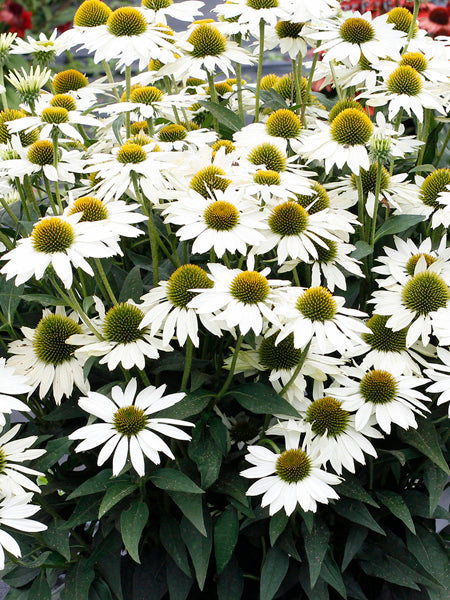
(132, 523)
(205, 453)
(178, 582)
(353, 545)
(96, 484)
(398, 224)
(426, 440)
(224, 115)
(10, 296)
(55, 450)
(191, 505)
(40, 590)
(117, 126)
(199, 548)
(78, 581)
(435, 479)
(271, 98)
(230, 584)
(362, 249)
(277, 525)
(353, 488)
(273, 572)
(176, 481)
(84, 511)
(320, 590)
(316, 544)
(331, 574)
(357, 513)
(262, 400)
(44, 299)
(226, 533)
(428, 168)
(428, 549)
(57, 538)
(192, 404)
(170, 536)
(390, 569)
(132, 286)
(398, 507)
(115, 494)
(109, 565)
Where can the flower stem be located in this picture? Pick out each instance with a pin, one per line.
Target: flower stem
(3, 94)
(228, 380)
(7, 208)
(187, 363)
(377, 195)
(152, 233)
(214, 98)
(299, 367)
(127, 98)
(424, 137)
(259, 72)
(55, 164)
(30, 194)
(101, 271)
(110, 77)
(413, 24)
(361, 205)
(444, 146)
(238, 39)
(50, 195)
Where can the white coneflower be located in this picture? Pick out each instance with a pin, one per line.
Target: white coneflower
(440, 375)
(128, 430)
(11, 382)
(46, 358)
(44, 49)
(157, 11)
(13, 482)
(29, 85)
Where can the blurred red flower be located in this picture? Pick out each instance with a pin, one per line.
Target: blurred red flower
(16, 17)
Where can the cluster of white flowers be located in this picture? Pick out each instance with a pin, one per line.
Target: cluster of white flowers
(255, 223)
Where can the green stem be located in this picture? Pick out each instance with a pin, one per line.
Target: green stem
(214, 98)
(413, 24)
(425, 132)
(298, 89)
(152, 233)
(228, 380)
(110, 77)
(55, 164)
(260, 64)
(238, 39)
(299, 367)
(187, 364)
(397, 122)
(377, 195)
(50, 195)
(444, 146)
(71, 299)
(2, 83)
(101, 271)
(5, 239)
(30, 194)
(7, 208)
(335, 80)
(127, 98)
(361, 205)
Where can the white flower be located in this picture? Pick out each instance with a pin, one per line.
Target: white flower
(11, 383)
(46, 358)
(228, 222)
(157, 12)
(289, 478)
(303, 11)
(239, 298)
(14, 512)
(123, 340)
(359, 35)
(414, 303)
(251, 12)
(440, 375)
(314, 313)
(390, 398)
(43, 49)
(127, 429)
(59, 241)
(332, 264)
(12, 478)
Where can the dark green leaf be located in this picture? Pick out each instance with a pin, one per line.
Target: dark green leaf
(84, 511)
(96, 484)
(179, 583)
(273, 572)
(78, 581)
(149, 580)
(230, 584)
(435, 480)
(431, 144)
(262, 400)
(355, 540)
(57, 538)
(362, 249)
(398, 224)
(224, 115)
(271, 98)
(20, 576)
(109, 565)
(320, 590)
(44, 299)
(132, 523)
(191, 405)
(287, 543)
(316, 544)
(395, 503)
(55, 450)
(117, 126)
(357, 513)
(425, 439)
(199, 548)
(205, 453)
(191, 505)
(176, 481)
(428, 168)
(115, 494)
(40, 590)
(226, 533)
(132, 286)
(390, 569)
(432, 556)
(277, 525)
(353, 488)
(331, 574)
(353, 588)
(100, 591)
(171, 540)
(10, 296)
